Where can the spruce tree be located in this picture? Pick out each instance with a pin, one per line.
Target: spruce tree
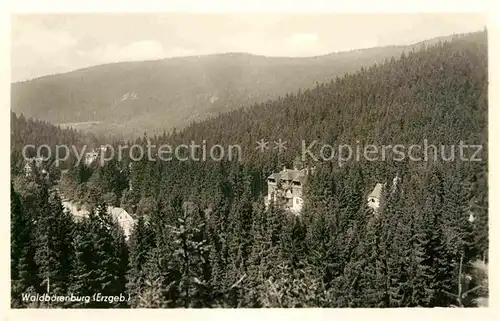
(54, 253)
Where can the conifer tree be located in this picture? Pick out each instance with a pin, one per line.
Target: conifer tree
(190, 254)
(24, 270)
(100, 258)
(54, 253)
(141, 243)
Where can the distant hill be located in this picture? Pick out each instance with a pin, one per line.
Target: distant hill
(130, 98)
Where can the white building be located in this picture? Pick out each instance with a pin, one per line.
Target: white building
(472, 217)
(90, 158)
(37, 162)
(286, 187)
(125, 221)
(375, 196)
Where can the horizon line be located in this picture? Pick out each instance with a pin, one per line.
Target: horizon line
(248, 54)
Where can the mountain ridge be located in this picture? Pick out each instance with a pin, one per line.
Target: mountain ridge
(172, 93)
(243, 53)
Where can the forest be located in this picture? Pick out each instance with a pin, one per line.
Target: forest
(203, 237)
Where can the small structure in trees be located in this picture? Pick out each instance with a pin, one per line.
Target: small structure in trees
(285, 188)
(375, 197)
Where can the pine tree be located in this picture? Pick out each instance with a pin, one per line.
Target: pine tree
(54, 233)
(24, 270)
(190, 254)
(437, 258)
(154, 292)
(100, 258)
(239, 241)
(141, 242)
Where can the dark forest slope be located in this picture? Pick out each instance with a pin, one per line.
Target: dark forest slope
(28, 131)
(338, 253)
(438, 94)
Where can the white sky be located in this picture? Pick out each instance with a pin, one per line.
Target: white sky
(46, 44)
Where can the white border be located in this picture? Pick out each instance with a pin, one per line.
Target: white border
(293, 6)
(285, 6)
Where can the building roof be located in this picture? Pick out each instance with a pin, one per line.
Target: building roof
(124, 219)
(290, 175)
(377, 191)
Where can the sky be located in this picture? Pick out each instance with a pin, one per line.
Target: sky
(45, 44)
